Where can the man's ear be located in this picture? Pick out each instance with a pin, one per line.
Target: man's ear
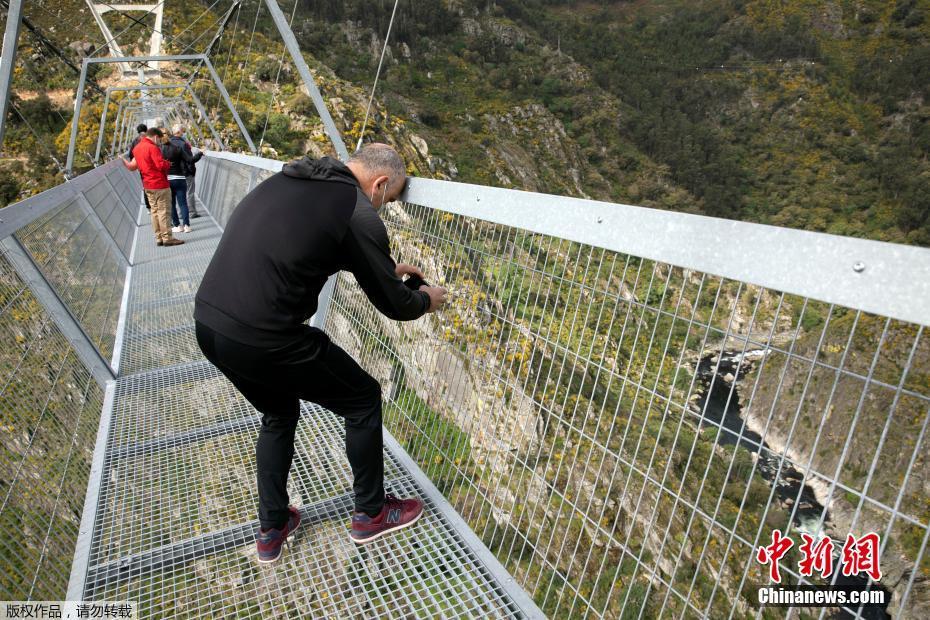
(381, 183)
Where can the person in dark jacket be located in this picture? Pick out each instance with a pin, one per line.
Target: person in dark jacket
(140, 131)
(282, 242)
(181, 159)
(190, 170)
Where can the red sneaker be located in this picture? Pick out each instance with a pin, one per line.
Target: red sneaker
(269, 542)
(395, 515)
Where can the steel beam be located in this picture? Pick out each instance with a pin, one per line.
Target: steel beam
(203, 112)
(229, 103)
(79, 97)
(91, 499)
(117, 126)
(107, 35)
(294, 50)
(884, 278)
(8, 60)
(148, 8)
(76, 118)
(888, 279)
(103, 124)
(106, 105)
(239, 425)
(216, 37)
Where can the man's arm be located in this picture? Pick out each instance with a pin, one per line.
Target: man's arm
(369, 257)
(159, 161)
(183, 152)
(190, 151)
(132, 145)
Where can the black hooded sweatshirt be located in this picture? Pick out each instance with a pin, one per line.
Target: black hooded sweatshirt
(282, 242)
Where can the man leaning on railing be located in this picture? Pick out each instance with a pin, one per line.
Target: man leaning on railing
(280, 245)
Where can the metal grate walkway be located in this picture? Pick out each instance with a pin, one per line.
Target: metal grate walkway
(175, 492)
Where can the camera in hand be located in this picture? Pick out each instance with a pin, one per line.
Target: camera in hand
(414, 282)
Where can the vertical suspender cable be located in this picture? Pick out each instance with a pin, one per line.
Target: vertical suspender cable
(377, 74)
(248, 53)
(277, 78)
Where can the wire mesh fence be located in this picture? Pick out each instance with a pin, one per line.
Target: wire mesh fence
(624, 434)
(104, 195)
(82, 246)
(50, 408)
(226, 183)
(49, 402)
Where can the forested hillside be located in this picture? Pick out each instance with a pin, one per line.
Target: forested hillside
(809, 113)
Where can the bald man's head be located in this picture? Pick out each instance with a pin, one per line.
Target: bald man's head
(380, 172)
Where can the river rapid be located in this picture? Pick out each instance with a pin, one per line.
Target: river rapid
(720, 380)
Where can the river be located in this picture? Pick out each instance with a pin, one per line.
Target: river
(721, 406)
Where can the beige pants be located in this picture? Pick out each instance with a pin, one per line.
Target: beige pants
(160, 201)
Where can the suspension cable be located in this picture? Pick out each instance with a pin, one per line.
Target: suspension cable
(38, 139)
(205, 31)
(35, 76)
(248, 54)
(377, 75)
(277, 77)
(217, 37)
(49, 45)
(232, 42)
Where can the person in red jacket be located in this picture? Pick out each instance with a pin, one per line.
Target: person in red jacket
(151, 164)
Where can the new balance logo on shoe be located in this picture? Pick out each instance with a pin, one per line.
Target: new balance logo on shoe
(396, 514)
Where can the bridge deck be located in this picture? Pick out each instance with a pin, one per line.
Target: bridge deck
(174, 526)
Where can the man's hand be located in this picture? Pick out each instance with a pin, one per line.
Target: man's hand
(130, 165)
(403, 269)
(437, 296)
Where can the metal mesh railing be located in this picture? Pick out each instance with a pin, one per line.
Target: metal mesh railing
(624, 434)
(105, 196)
(226, 182)
(621, 432)
(82, 246)
(50, 409)
(74, 243)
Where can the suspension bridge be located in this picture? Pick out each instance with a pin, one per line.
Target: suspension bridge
(609, 420)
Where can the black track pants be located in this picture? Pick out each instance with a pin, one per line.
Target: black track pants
(311, 368)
